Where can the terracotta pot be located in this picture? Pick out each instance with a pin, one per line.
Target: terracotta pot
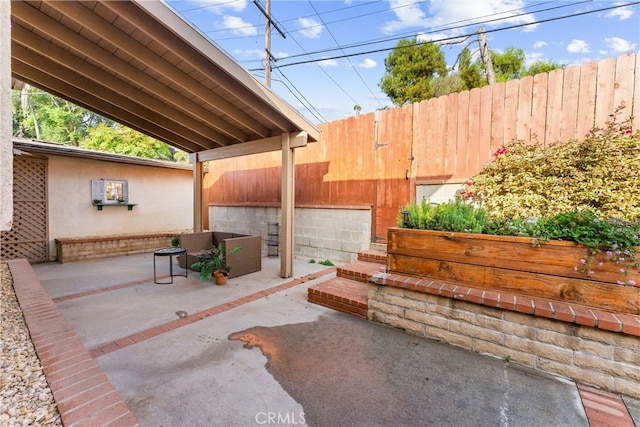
(221, 279)
(513, 264)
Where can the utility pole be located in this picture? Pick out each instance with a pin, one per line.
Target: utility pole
(267, 39)
(267, 46)
(485, 54)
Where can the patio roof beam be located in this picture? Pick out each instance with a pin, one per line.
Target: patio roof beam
(253, 147)
(116, 66)
(60, 88)
(126, 43)
(139, 114)
(230, 74)
(131, 13)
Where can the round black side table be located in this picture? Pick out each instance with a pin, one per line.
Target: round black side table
(170, 252)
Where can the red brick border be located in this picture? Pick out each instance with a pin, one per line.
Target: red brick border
(603, 408)
(203, 314)
(84, 395)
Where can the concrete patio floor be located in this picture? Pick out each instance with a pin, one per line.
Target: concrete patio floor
(255, 352)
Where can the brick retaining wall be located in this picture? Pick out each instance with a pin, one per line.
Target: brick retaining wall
(588, 354)
(69, 250)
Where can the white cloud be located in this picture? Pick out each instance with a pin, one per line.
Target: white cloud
(578, 46)
(249, 53)
(409, 15)
(443, 12)
(367, 63)
(619, 45)
(620, 13)
(220, 6)
(328, 63)
(310, 28)
(532, 57)
(238, 26)
(539, 44)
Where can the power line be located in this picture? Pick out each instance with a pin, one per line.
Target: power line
(348, 59)
(440, 29)
(445, 39)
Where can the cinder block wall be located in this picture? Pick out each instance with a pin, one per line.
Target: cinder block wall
(334, 234)
(610, 360)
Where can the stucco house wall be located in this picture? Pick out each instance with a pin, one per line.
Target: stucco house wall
(163, 198)
(6, 159)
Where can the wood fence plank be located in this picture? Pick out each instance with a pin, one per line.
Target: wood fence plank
(570, 91)
(474, 132)
(420, 142)
(497, 116)
(539, 108)
(485, 127)
(441, 135)
(511, 110)
(434, 148)
(587, 98)
(623, 95)
(605, 91)
(462, 143)
(554, 106)
(452, 136)
(525, 96)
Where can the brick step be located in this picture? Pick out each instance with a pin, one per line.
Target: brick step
(344, 295)
(359, 271)
(375, 256)
(348, 291)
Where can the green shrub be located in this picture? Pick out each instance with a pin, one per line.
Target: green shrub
(597, 174)
(455, 215)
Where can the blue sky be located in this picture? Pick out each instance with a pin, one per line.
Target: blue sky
(344, 43)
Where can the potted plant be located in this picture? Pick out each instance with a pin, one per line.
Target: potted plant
(213, 264)
(175, 241)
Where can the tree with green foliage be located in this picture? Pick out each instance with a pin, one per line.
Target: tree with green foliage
(470, 72)
(42, 116)
(39, 115)
(123, 140)
(410, 69)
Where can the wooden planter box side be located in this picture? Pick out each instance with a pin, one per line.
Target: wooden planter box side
(511, 264)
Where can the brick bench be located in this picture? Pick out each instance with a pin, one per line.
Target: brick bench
(78, 249)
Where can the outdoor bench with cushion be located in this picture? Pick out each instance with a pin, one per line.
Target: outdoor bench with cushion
(245, 261)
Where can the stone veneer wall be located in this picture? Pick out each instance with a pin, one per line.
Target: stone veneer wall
(610, 360)
(69, 250)
(320, 233)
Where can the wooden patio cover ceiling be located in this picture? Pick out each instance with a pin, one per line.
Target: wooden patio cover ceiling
(140, 64)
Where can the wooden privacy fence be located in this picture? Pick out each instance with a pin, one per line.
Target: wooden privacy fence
(455, 135)
(361, 161)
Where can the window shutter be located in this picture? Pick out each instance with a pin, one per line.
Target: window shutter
(97, 190)
(125, 191)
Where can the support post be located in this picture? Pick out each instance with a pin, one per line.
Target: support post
(287, 207)
(197, 192)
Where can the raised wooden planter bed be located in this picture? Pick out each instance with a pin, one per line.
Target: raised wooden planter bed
(512, 264)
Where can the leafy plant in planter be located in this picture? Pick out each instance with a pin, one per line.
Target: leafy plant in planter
(580, 191)
(212, 263)
(175, 241)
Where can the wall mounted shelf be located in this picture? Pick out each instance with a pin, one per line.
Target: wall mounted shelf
(129, 206)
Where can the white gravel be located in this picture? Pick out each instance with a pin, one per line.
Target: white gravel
(25, 396)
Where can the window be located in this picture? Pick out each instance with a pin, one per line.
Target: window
(109, 191)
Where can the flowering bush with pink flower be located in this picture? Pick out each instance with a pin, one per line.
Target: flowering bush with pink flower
(598, 173)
